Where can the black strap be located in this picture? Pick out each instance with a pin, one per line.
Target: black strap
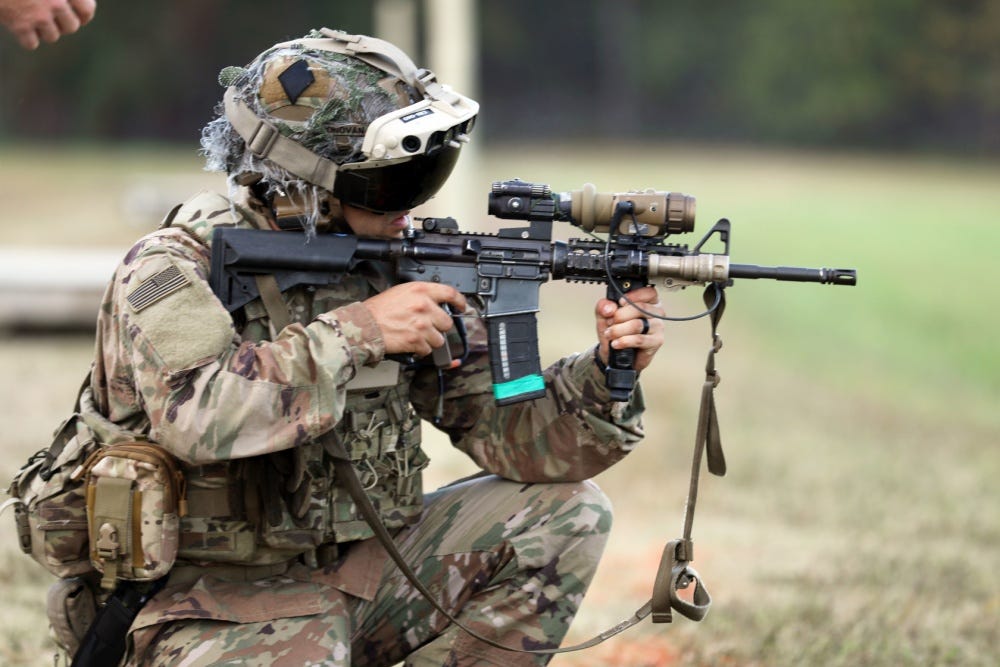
(104, 642)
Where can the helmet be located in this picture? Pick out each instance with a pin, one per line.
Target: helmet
(339, 114)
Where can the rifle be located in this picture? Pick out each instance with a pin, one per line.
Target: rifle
(506, 270)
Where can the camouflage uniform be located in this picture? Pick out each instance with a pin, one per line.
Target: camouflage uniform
(275, 565)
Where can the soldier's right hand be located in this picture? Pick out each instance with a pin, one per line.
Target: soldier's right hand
(411, 317)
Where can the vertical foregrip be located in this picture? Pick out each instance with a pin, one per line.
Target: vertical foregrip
(513, 346)
(620, 376)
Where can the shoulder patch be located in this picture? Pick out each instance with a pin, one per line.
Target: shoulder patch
(156, 287)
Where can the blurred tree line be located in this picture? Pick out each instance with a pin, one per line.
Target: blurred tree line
(897, 74)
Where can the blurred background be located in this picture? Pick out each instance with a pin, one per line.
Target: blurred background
(860, 519)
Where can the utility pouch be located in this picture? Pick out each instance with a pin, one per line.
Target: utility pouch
(49, 504)
(135, 497)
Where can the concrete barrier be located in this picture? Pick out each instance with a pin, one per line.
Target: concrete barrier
(53, 288)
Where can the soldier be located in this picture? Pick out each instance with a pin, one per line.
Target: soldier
(275, 565)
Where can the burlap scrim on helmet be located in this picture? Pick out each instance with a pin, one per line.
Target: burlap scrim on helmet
(344, 97)
(328, 116)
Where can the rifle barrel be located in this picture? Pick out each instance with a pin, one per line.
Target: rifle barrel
(795, 274)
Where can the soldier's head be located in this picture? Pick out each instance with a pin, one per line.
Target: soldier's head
(334, 123)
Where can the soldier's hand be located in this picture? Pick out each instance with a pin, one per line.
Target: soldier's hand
(621, 326)
(36, 21)
(411, 317)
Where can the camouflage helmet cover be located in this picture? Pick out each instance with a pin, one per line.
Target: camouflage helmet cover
(321, 99)
(315, 98)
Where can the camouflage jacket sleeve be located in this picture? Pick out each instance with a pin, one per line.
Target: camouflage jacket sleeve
(168, 348)
(572, 434)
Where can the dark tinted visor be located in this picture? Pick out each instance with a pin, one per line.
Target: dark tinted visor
(396, 187)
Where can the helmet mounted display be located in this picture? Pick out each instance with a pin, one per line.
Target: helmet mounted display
(405, 155)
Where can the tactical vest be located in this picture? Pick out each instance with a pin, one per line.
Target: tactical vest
(270, 508)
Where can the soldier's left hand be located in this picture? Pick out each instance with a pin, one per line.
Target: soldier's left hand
(621, 325)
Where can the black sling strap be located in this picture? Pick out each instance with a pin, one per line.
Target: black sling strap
(104, 642)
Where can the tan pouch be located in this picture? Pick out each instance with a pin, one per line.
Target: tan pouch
(135, 498)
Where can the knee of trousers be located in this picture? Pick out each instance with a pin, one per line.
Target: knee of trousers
(580, 521)
(600, 512)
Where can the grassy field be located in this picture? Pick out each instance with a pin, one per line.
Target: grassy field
(860, 519)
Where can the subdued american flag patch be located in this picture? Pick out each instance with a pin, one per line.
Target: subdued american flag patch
(154, 288)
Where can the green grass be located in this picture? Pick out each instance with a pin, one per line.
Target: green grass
(860, 519)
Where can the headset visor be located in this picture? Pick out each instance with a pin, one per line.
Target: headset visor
(396, 186)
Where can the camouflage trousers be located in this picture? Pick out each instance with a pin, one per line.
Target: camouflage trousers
(511, 561)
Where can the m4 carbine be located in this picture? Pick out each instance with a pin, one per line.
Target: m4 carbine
(506, 270)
